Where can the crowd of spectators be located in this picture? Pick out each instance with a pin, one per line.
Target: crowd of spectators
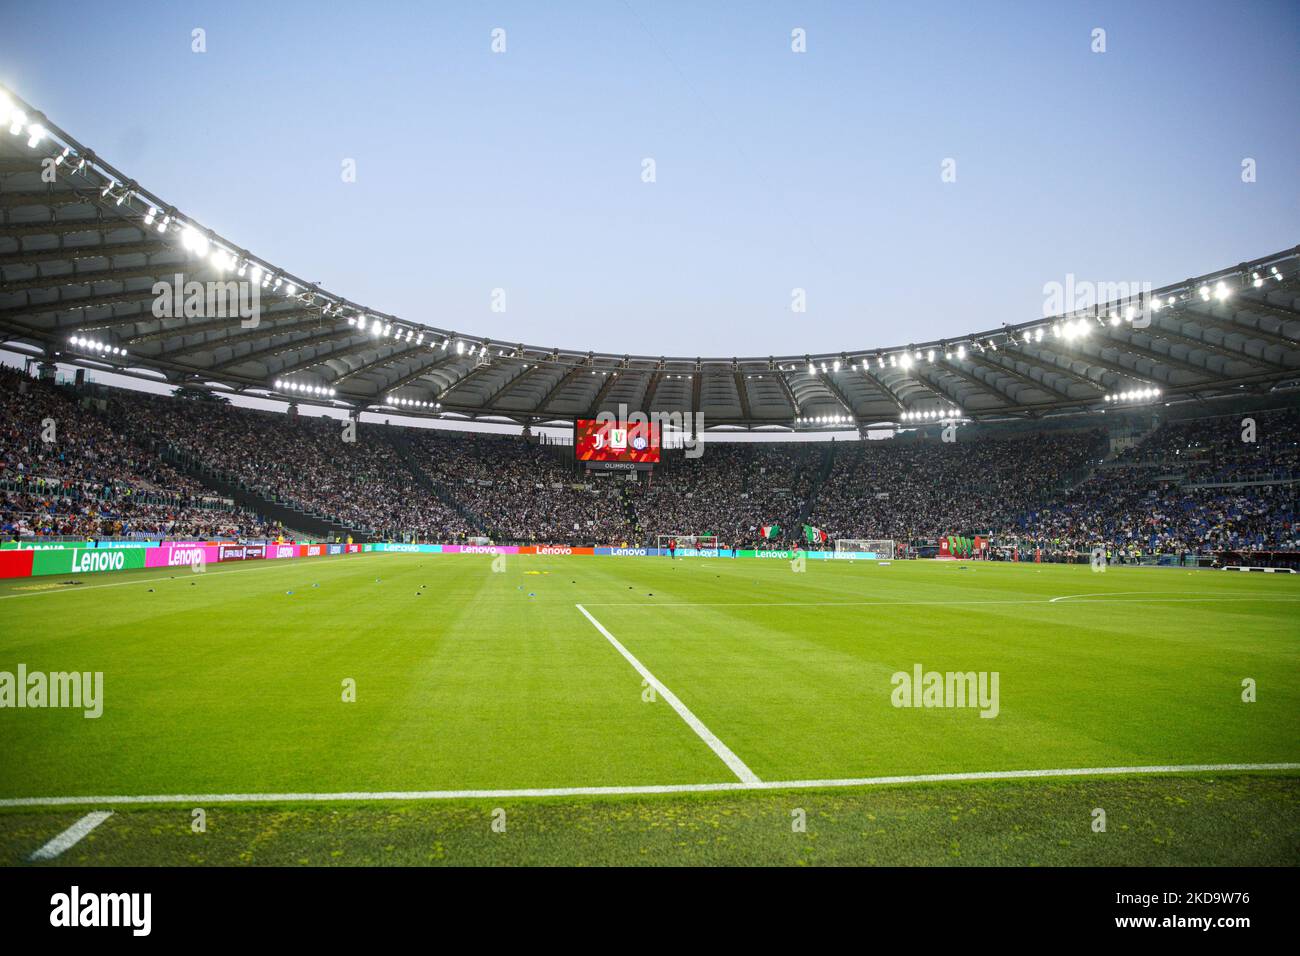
(922, 488)
(1227, 483)
(1224, 448)
(354, 479)
(730, 491)
(66, 469)
(95, 463)
(522, 492)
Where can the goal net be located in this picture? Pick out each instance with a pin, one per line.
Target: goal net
(706, 545)
(880, 549)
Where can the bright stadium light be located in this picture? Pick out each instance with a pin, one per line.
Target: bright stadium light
(17, 119)
(194, 241)
(35, 133)
(961, 351)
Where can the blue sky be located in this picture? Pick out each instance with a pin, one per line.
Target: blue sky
(775, 170)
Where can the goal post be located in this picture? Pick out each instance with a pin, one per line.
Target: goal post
(879, 549)
(704, 545)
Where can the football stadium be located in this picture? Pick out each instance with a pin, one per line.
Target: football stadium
(290, 580)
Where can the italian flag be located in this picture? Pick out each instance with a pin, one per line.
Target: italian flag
(814, 535)
(770, 531)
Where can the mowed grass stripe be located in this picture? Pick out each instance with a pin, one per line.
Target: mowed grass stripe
(229, 684)
(805, 691)
(725, 754)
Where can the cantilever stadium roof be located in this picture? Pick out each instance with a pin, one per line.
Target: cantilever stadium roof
(82, 246)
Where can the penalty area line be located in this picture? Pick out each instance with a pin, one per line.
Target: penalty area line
(717, 746)
(366, 796)
(71, 836)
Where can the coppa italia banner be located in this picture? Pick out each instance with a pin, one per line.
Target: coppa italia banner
(240, 552)
(87, 560)
(957, 546)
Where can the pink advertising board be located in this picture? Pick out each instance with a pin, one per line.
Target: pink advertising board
(181, 555)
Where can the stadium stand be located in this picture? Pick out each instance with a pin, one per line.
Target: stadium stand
(130, 464)
(92, 479)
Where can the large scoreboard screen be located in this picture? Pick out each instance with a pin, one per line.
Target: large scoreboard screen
(636, 442)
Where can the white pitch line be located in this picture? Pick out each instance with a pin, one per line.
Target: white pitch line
(365, 796)
(71, 836)
(1104, 594)
(1260, 599)
(717, 746)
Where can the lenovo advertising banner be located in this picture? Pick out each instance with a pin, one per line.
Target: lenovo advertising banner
(182, 555)
(88, 560)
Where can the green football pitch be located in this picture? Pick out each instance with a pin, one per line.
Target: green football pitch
(424, 708)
